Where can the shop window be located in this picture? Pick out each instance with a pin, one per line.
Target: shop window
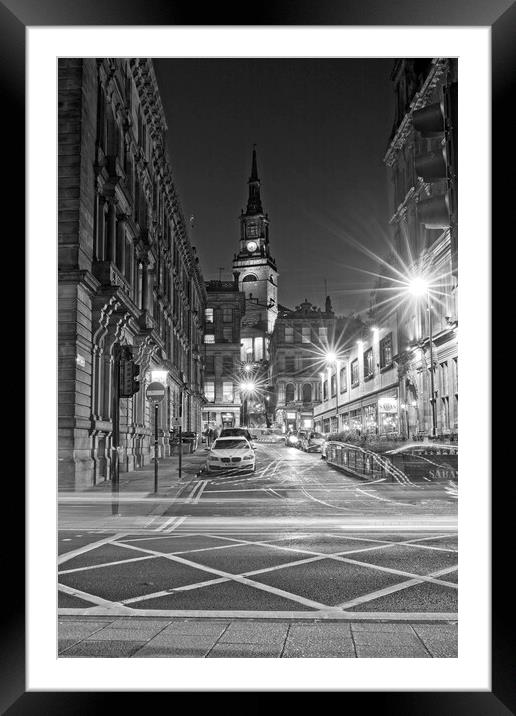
(370, 418)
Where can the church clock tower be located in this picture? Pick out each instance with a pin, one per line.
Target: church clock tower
(255, 270)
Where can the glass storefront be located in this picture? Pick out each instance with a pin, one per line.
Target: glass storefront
(388, 420)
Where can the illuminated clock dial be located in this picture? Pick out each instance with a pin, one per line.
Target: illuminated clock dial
(252, 246)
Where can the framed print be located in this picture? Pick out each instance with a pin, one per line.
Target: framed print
(212, 371)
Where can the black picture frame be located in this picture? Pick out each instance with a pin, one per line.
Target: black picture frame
(500, 16)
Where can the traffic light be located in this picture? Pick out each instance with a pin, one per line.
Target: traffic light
(129, 371)
(436, 158)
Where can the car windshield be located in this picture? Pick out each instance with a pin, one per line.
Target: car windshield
(317, 435)
(230, 444)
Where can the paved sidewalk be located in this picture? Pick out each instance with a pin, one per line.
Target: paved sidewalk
(137, 502)
(231, 638)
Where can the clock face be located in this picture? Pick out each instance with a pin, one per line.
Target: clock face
(252, 246)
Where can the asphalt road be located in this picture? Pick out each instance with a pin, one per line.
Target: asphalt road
(295, 538)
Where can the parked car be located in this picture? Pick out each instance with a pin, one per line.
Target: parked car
(235, 432)
(291, 440)
(301, 435)
(312, 442)
(231, 453)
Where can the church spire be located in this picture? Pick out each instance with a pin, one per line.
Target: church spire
(254, 203)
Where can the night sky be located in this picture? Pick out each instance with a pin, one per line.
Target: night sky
(321, 128)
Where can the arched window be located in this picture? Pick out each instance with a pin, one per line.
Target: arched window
(249, 277)
(289, 392)
(307, 393)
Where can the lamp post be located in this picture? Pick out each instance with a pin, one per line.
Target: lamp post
(246, 388)
(331, 359)
(419, 286)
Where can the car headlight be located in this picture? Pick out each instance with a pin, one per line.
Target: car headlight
(213, 458)
(249, 457)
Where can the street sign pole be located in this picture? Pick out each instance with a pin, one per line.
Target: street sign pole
(155, 394)
(155, 448)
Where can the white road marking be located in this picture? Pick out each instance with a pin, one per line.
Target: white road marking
(237, 578)
(88, 547)
(325, 614)
(384, 499)
(397, 588)
(199, 492)
(72, 591)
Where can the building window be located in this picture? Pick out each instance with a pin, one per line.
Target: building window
(333, 386)
(210, 364)
(227, 364)
(289, 334)
(445, 413)
(258, 348)
(386, 351)
(227, 315)
(343, 380)
(368, 363)
(455, 368)
(305, 334)
(208, 315)
(227, 333)
(209, 338)
(325, 390)
(354, 374)
(209, 391)
(290, 364)
(323, 334)
(227, 391)
(289, 393)
(307, 393)
(443, 369)
(249, 277)
(246, 353)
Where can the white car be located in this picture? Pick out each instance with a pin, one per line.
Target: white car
(231, 454)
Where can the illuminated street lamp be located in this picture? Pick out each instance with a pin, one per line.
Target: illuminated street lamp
(331, 359)
(419, 287)
(247, 387)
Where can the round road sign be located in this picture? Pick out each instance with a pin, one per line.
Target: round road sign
(155, 392)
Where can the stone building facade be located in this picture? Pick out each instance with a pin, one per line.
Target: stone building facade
(225, 308)
(360, 389)
(300, 344)
(421, 160)
(128, 276)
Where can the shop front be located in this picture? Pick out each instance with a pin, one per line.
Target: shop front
(388, 414)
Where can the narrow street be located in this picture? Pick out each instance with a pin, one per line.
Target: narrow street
(296, 538)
